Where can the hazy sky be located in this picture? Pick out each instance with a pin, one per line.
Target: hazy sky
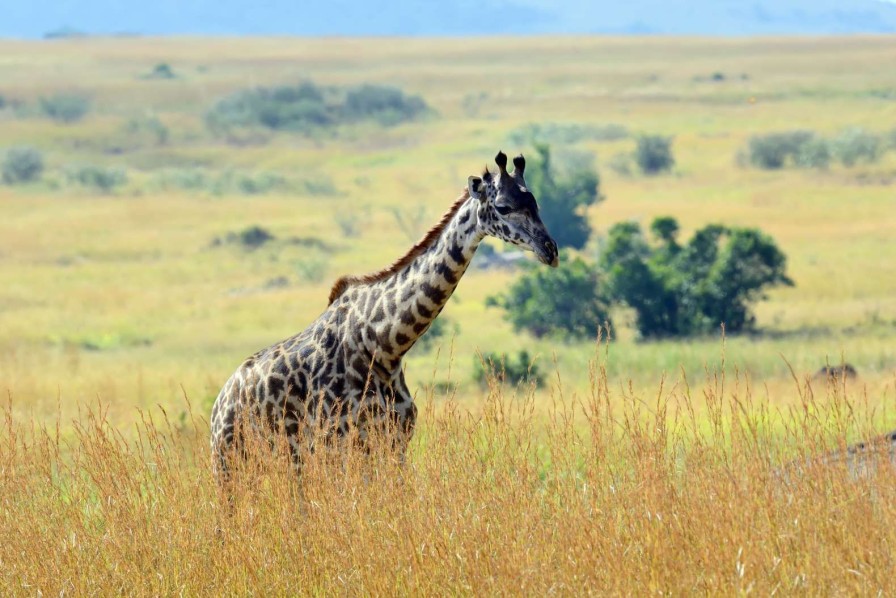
(34, 18)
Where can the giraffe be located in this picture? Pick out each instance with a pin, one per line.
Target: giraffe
(344, 372)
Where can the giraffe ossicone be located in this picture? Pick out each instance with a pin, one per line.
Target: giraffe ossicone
(343, 372)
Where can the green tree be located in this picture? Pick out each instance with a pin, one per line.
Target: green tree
(65, 107)
(563, 198)
(562, 301)
(680, 290)
(22, 165)
(654, 154)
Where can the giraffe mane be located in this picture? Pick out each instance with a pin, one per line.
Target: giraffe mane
(340, 286)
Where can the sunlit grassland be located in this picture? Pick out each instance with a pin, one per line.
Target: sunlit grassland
(124, 298)
(639, 467)
(602, 494)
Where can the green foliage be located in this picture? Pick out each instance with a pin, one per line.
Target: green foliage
(856, 145)
(654, 154)
(563, 197)
(306, 107)
(566, 301)
(383, 104)
(805, 149)
(773, 150)
(565, 133)
(21, 165)
(99, 178)
(286, 108)
(504, 369)
(815, 153)
(161, 70)
(254, 236)
(65, 107)
(678, 290)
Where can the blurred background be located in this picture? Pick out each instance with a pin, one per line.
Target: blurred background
(183, 182)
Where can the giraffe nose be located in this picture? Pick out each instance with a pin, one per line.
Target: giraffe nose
(550, 248)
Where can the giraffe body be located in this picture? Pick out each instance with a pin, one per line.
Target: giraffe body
(344, 371)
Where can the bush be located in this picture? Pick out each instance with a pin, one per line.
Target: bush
(22, 165)
(815, 153)
(654, 154)
(65, 107)
(563, 197)
(680, 290)
(97, 177)
(162, 70)
(806, 150)
(500, 367)
(306, 107)
(565, 301)
(771, 151)
(386, 105)
(254, 236)
(287, 108)
(856, 145)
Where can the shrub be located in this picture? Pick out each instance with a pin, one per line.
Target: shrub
(680, 290)
(806, 150)
(386, 105)
(65, 107)
(287, 108)
(654, 154)
(771, 151)
(565, 301)
(254, 236)
(856, 145)
(162, 70)
(22, 165)
(815, 153)
(306, 107)
(97, 177)
(564, 197)
(500, 367)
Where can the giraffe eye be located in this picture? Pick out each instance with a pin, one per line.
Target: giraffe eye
(504, 210)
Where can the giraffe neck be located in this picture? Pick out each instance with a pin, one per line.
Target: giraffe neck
(401, 307)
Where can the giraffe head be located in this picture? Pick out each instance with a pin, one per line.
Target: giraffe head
(508, 211)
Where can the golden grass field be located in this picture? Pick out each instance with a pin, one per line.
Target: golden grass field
(598, 483)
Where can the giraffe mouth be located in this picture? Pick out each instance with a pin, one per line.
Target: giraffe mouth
(547, 253)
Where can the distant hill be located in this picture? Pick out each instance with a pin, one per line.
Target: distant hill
(49, 18)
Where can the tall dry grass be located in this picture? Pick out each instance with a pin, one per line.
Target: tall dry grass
(608, 492)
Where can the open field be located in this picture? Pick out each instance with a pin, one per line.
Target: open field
(125, 299)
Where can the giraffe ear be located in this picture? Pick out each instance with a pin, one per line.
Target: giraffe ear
(474, 186)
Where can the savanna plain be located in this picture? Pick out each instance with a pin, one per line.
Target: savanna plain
(155, 252)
